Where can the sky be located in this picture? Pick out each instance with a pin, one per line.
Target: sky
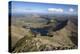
(18, 7)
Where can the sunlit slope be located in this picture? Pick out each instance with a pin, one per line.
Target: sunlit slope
(17, 33)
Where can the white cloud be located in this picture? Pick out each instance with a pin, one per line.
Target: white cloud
(55, 10)
(71, 9)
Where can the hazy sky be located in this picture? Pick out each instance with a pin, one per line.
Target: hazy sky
(27, 7)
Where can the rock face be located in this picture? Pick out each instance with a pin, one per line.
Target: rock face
(65, 38)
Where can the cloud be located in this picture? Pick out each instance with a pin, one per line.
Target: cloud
(71, 9)
(55, 10)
